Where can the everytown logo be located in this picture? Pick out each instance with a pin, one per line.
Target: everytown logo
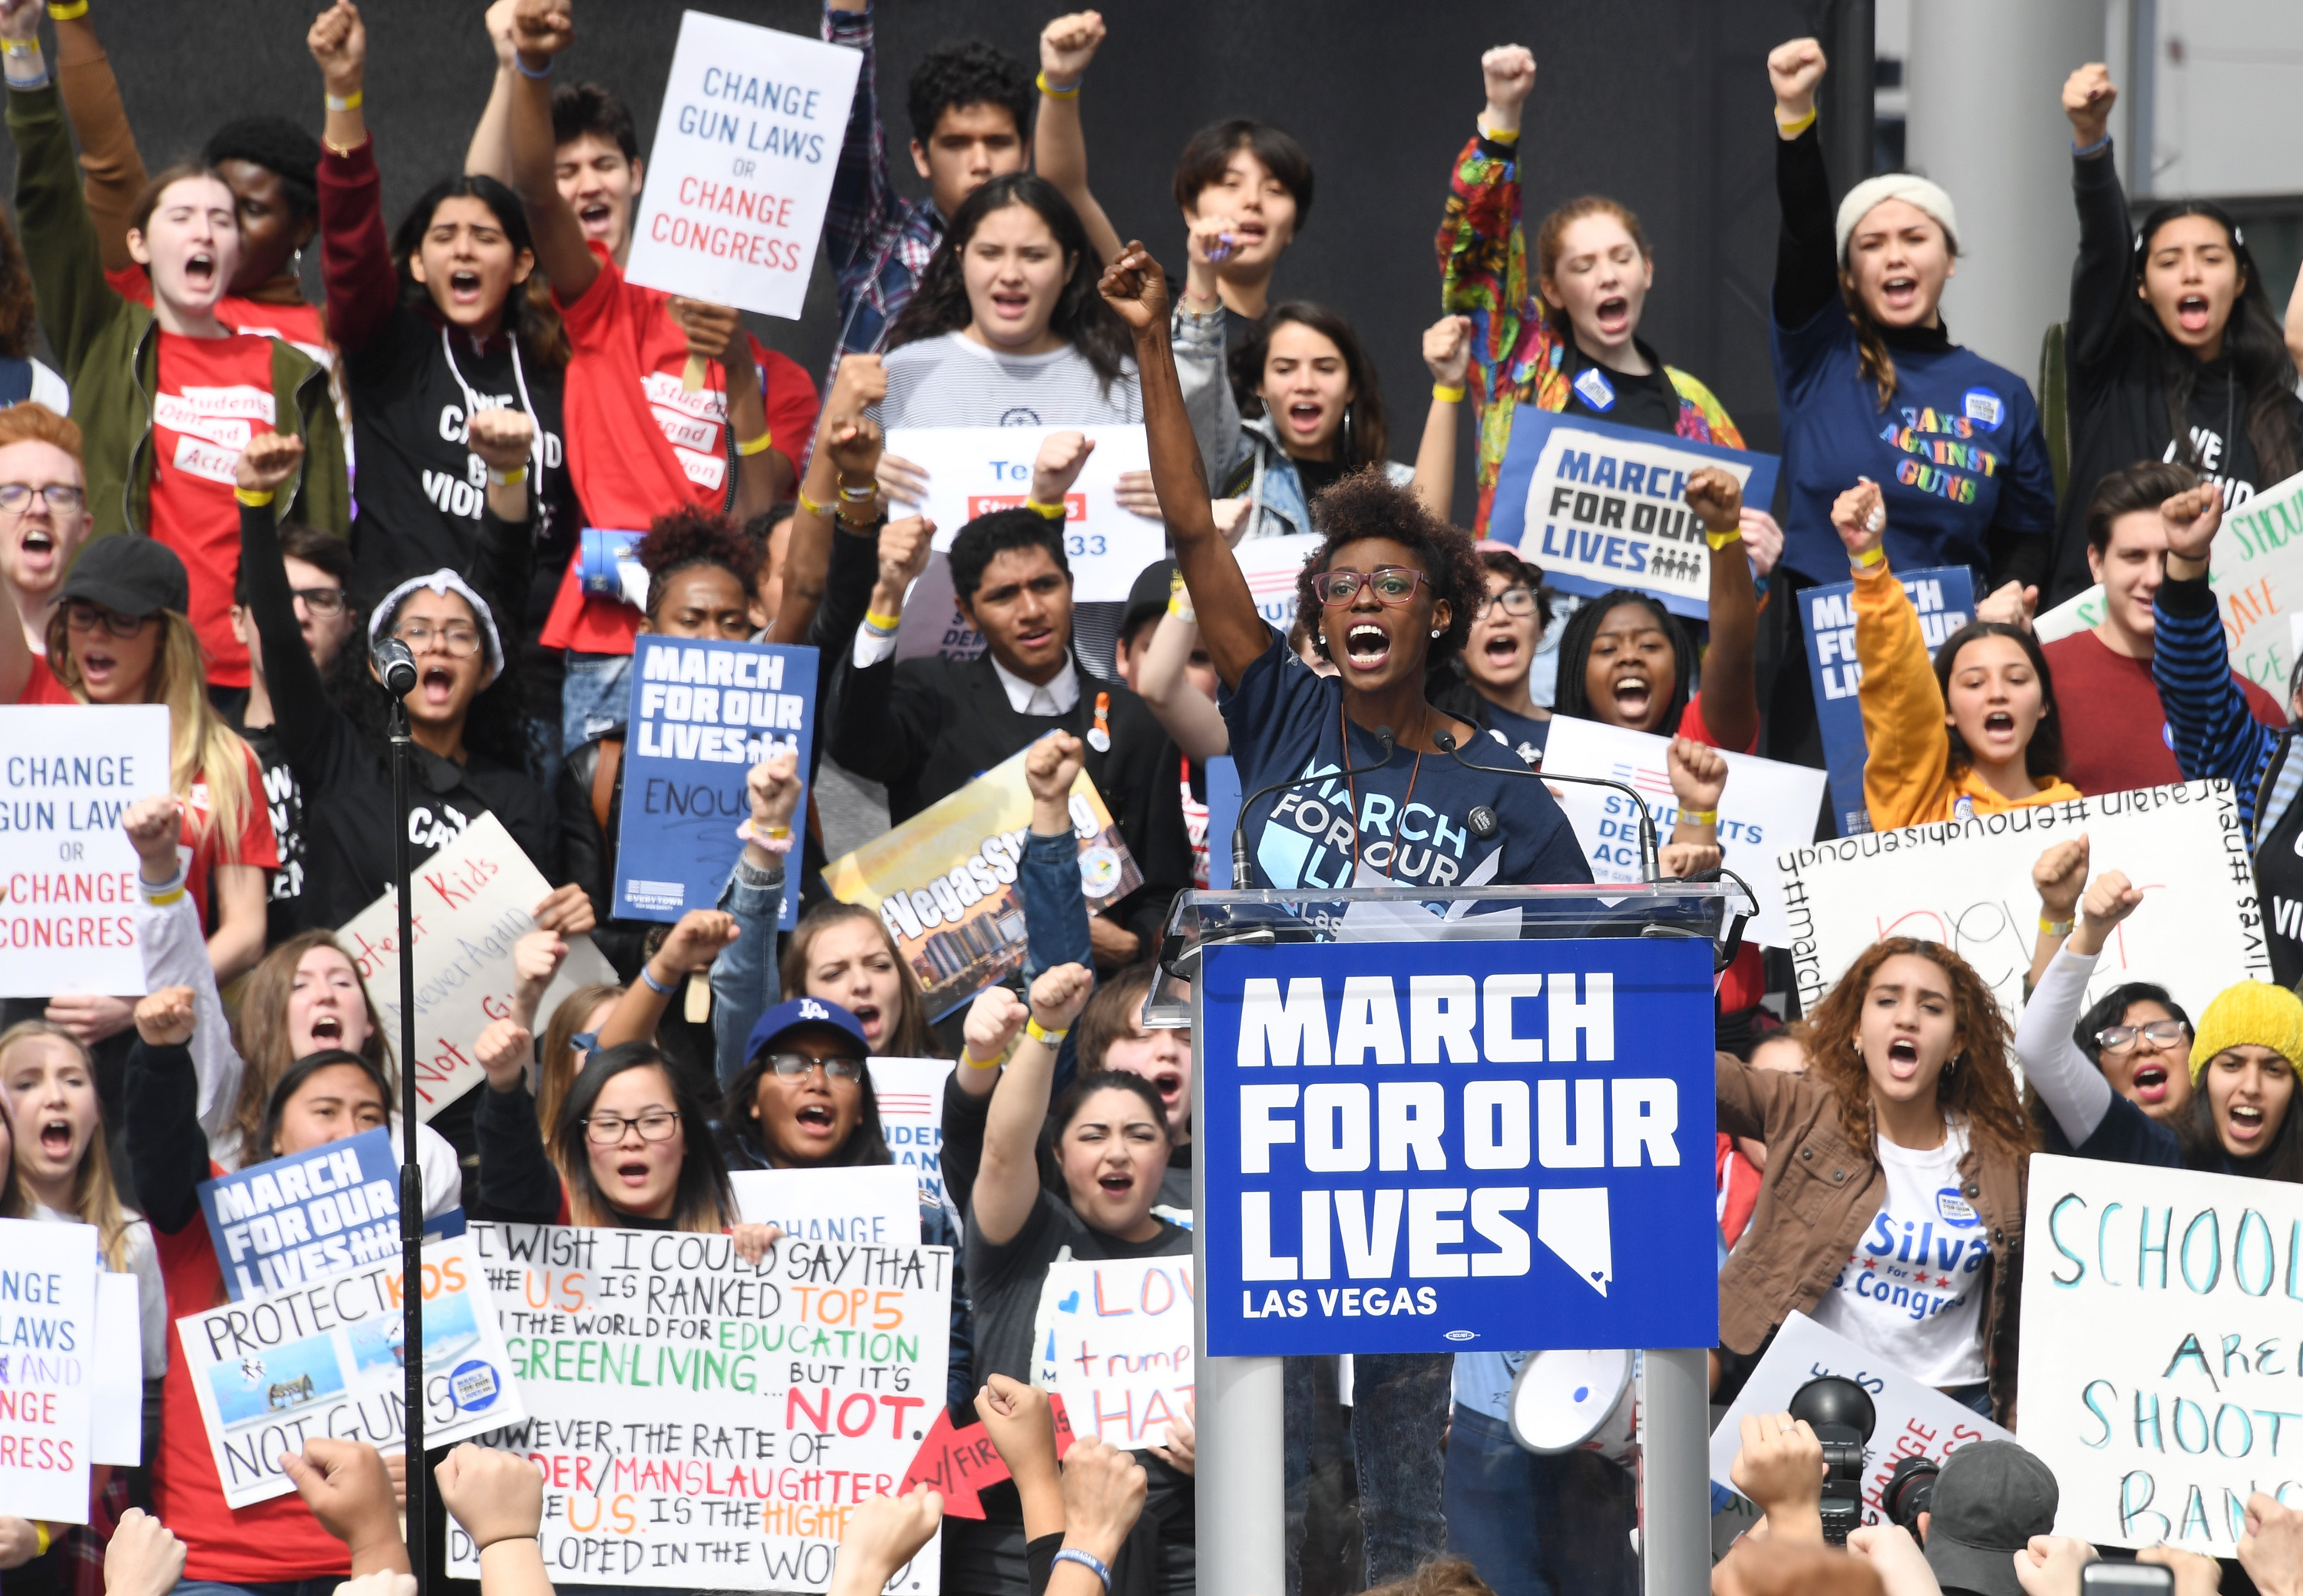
(1317, 1136)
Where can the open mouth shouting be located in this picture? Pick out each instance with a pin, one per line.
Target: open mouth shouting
(1612, 316)
(1904, 1059)
(1999, 728)
(632, 1173)
(1634, 693)
(199, 271)
(35, 551)
(1116, 1184)
(1901, 291)
(598, 216)
(1366, 647)
(2243, 1124)
(327, 1031)
(56, 1140)
(1169, 1083)
(2150, 1082)
(1011, 305)
(1306, 417)
(2191, 312)
(867, 1015)
(817, 1122)
(1501, 650)
(436, 686)
(99, 666)
(464, 287)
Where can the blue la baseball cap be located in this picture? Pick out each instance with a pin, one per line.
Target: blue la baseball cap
(798, 1013)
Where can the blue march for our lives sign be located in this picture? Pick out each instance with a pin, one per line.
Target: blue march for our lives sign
(313, 1213)
(1447, 1146)
(703, 713)
(1600, 506)
(1945, 597)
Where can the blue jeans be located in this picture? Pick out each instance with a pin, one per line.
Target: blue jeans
(1537, 1526)
(1399, 1416)
(596, 697)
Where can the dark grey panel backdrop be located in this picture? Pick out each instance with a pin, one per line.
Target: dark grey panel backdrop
(1663, 104)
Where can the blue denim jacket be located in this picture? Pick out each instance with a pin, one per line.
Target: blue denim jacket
(744, 980)
(1055, 922)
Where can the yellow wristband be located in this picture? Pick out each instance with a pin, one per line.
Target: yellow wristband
(1054, 93)
(810, 505)
(68, 12)
(346, 102)
(967, 1057)
(254, 498)
(1054, 512)
(2055, 928)
(165, 899)
(1505, 136)
(1720, 540)
(1179, 605)
(512, 478)
(20, 47)
(1700, 816)
(1447, 393)
(1044, 1037)
(882, 624)
(1871, 559)
(41, 1539)
(755, 446)
(1792, 130)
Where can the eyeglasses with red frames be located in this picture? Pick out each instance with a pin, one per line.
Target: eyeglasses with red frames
(1394, 584)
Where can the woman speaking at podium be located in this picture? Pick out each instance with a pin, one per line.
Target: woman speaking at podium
(1390, 593)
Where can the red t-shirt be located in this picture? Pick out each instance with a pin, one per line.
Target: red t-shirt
(275, 1541)
(640, 449)
(213, 394)
(258, 845)
(41, 687)
(2115, 735)
(300, 323)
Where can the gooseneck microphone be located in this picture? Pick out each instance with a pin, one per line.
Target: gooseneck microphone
(397, 666)
(1243, 871)
(1484, 824)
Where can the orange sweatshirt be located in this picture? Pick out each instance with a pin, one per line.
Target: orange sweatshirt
(1907, 779)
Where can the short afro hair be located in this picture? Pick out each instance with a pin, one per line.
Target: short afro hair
(581, 108)
(1367, 504)
(968, 71)
(277, 145)
(691, 536)
(987, 537)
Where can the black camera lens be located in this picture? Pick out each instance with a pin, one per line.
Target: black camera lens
(1910, 1491)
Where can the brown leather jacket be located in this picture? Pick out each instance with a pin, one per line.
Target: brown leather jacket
(1821, 1193)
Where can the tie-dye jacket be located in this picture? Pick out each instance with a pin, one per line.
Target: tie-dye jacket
(1517, 355)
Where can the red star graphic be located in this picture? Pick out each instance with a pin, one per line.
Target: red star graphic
(1870, 1263)
(1942, 1279)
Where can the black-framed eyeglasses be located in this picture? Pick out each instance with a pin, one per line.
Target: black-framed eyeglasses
(61, 497)
(605, 1130)
(457, 642)
(2163, 1032)
(792, 1066)
(1394, 584)
(322, 601)
(1515, 600)
(86, 617)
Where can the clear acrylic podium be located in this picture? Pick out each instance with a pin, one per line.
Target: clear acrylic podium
(1241, 1504)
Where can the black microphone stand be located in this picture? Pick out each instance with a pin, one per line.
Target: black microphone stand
(1243, 871)
(399, 666)
(1651, 853)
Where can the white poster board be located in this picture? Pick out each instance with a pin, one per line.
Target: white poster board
(1272, 567)
(473, 901)
(702, 1423)
(1115, 1339)
(1765, 806)
(933, 626)
(875, 1204)
(975, 470)
(47, 1347)
(68, 893)
(1967, 884)
(117, 1393)
(330, 1359)
(2158, 1348)
(1915, 1420)
(739, 175)
(910, 1094)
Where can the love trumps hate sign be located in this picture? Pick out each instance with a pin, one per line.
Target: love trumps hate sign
(702, 1423)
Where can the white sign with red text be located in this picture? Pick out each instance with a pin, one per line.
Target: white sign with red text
(975, 470)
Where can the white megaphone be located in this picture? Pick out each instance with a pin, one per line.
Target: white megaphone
(1565, 1399)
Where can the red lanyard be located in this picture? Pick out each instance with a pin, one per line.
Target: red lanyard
(1351, 785)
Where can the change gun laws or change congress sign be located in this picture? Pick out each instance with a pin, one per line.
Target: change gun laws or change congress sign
(740, 172)
(1445, 1146)
(1601, 506)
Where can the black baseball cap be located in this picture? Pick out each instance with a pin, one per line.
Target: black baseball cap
(130, 574)
(1149, 597)
(1990, 1500)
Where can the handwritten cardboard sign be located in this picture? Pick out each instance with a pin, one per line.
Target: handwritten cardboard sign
(1116, 1340)
(1967, 884)
(705, 1422)
(329, 1358)
(740, 172)
(959, 1461)
(68, 887)
(47, 1348)
(472, 902)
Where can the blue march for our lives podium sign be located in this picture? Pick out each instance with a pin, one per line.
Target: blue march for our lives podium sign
(1600, 506)
(1945, 597)
(703, 713)
(1447, 1146)
(317, 1212)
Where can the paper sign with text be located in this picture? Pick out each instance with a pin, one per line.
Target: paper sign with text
(707, 1423)
(290, 1221)
(1967, 884)
(740, 172)
(68, 891)
(933, 626)
(1114, 1339)
(1915, 1420)
(1272, 567)
(975, 470)
(1601, 506)
(2159, 1352)
(47, 1345)
(944, 881)
(330, 1359)
(910, 1094)
(473, 900)
(703, 713)
(1945, 598)
(116, 1423)
(873, 1204)
(1765, 806)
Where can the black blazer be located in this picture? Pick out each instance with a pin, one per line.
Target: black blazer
(926, 728)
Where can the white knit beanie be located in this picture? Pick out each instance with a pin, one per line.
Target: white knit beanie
(443, 581)
(1906, 186)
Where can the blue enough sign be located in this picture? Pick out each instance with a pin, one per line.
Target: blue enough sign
(1452, 1146)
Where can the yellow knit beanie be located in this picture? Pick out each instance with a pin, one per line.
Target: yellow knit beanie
(2253, 1013)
